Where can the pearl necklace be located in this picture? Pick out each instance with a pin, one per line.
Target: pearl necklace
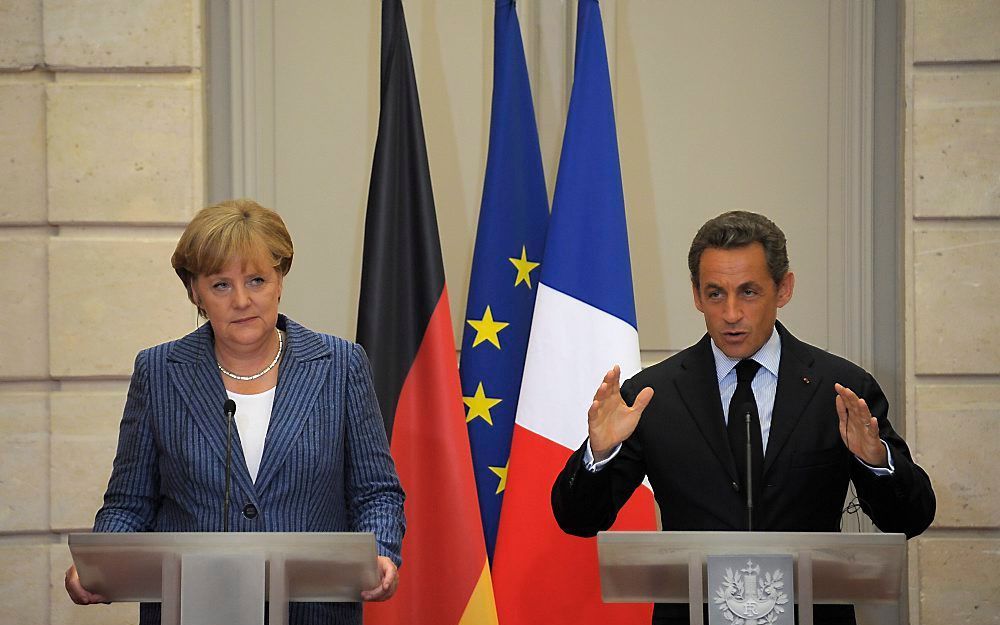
(247, 378)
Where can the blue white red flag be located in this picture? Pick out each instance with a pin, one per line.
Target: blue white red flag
(584, 323)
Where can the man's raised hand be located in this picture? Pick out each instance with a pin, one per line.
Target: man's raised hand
(859, 429)
(610, 420)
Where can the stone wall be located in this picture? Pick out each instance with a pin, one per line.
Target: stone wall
(952, 227)
(101, 163)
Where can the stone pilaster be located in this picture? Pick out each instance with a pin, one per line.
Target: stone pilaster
(101, 152)
(952, 202)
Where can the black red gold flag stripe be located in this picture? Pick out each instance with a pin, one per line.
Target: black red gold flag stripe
(404, 323)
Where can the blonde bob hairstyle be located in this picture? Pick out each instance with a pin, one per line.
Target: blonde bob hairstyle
(234, 229)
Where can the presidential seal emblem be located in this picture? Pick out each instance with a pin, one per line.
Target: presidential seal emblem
(749, 595)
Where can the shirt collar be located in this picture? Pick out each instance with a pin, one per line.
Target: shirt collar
(769, 356)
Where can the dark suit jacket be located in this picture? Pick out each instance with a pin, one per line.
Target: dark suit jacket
(326, 464)
(681, 444)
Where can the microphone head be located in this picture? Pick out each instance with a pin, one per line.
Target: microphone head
(745, 408)
(229, 407)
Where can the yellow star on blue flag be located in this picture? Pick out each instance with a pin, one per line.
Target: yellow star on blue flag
(501, 472)
(524, 268)
(479, 405)
(487, 329)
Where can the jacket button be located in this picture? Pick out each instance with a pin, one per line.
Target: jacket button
(736, 487)
(250, 511)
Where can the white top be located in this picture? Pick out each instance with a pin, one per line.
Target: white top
(253, 414)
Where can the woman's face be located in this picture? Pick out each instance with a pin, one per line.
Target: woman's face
(241, 302)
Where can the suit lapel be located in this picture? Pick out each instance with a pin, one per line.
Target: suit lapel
(797, 384)
(304, 370)
(699, 389)
(192, 371)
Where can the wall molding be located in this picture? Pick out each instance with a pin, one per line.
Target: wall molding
(247, 112)
(850, 204)
(249, 30)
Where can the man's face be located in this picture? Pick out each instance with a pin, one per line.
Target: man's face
(739, 299)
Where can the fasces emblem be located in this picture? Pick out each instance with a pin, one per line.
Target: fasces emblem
(749, 596)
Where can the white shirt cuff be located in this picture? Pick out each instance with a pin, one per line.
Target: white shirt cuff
(588, 458)
(875, 470)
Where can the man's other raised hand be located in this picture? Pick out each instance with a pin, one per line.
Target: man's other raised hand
(610, 420)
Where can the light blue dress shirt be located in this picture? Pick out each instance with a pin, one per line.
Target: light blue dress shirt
(764, 384)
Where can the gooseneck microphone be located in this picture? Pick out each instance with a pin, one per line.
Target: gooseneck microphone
(747, 409)
(230, 409)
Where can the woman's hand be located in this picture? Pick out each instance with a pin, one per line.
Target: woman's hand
(76, 591)
(388, 580)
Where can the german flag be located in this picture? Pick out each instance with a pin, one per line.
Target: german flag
(404, 323)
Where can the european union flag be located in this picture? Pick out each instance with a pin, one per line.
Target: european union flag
(505, 269)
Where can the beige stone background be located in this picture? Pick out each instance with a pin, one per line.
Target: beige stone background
(101, 164)
(951, 192)
(102, 161)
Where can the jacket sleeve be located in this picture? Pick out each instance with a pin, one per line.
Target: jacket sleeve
(131, 500)
(374, 495)
(903, 502)
(585, 502)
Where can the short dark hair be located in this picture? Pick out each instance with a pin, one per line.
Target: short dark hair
(739, 229)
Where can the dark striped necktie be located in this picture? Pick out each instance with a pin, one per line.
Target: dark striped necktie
(743, 402)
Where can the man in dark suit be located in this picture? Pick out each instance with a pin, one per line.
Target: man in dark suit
(817, 421)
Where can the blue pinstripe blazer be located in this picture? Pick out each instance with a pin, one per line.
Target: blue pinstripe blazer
(326, 465)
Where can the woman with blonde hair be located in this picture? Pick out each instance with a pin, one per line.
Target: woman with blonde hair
(312, 454)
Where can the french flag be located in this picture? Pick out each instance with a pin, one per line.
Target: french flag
(584, 323)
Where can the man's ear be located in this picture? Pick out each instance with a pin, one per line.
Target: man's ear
(697, 297)
(785, 289)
